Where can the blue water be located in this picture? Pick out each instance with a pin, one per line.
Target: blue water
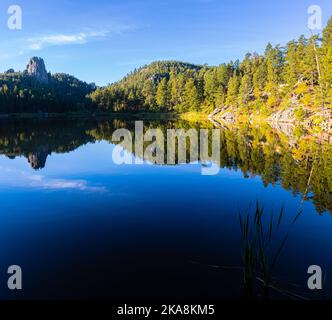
(83, 227)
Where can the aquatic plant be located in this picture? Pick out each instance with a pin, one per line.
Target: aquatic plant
(262, 243)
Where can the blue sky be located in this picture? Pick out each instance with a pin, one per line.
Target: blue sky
(102, 40)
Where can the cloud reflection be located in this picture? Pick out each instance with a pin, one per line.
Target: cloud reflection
(18, 178)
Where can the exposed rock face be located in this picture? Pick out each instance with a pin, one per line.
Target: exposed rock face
(37, 159)
(229, 117)
(326, 124)
(36, 68)
(288, 117)
(283, 116)
(223, 113)
(283, 120)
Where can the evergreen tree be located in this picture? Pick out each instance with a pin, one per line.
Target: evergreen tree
(245, 91)
(326, 64)
(260, 79)
(191, 96)
(274, 61)
(291, 72)
(232, 93)
(163, 96)
(149, 93)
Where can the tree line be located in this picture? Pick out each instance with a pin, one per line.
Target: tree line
(21, 93)
(298, 74)
(300, 70)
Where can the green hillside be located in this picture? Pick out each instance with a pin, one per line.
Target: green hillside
(21, 92)
(139, 89)
(297, 76)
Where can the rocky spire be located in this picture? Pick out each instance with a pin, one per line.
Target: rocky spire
(37, 159)
(36, 68)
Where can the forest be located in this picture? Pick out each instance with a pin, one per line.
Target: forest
(298, 73)
(259, 83)
(21, 93)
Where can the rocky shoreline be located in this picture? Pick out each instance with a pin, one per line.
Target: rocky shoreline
(317, 123)
(320, 119)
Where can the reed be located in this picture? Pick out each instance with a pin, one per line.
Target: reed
(262, 242)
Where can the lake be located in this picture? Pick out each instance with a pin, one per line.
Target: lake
(82, 226)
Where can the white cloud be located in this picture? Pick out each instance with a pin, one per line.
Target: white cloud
(19, 46)
(40, 42)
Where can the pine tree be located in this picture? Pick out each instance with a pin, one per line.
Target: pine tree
(326, 64)
(245, 91)
(176, 88)
(302, 69)
(149, 93)
(210, 87)
(301, 52)
(232, 93)
(260, 79)
(163, 96)
(311, 63)
(274, 62)
(191, 96)
(291, 72)
(327, 34)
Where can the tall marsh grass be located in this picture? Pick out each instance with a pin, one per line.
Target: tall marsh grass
(262, 242)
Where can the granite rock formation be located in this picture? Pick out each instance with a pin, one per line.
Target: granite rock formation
(36, 68)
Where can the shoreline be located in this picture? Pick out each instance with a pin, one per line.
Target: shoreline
(215, 119)
(112, 115)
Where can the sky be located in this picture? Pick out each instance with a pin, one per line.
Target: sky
(101, 41)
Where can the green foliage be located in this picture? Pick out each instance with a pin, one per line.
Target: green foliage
(260, 82)
(299, 114)
(21, 93)
(260, 79)
(233, 90)
(149, 93)
(245, 91)
(191, 96)
(159, 86)
(326, 65)
(163, 95)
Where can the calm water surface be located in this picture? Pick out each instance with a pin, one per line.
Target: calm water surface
(81, 226)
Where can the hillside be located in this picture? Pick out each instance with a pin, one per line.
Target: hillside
(296, 76)
(35, 90)
(139, 89)
(291, 83)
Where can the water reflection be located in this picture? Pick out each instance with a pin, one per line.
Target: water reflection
(70, 213)
(300, 164)
(15, 178)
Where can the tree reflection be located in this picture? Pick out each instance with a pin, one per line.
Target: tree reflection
(300, 164)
